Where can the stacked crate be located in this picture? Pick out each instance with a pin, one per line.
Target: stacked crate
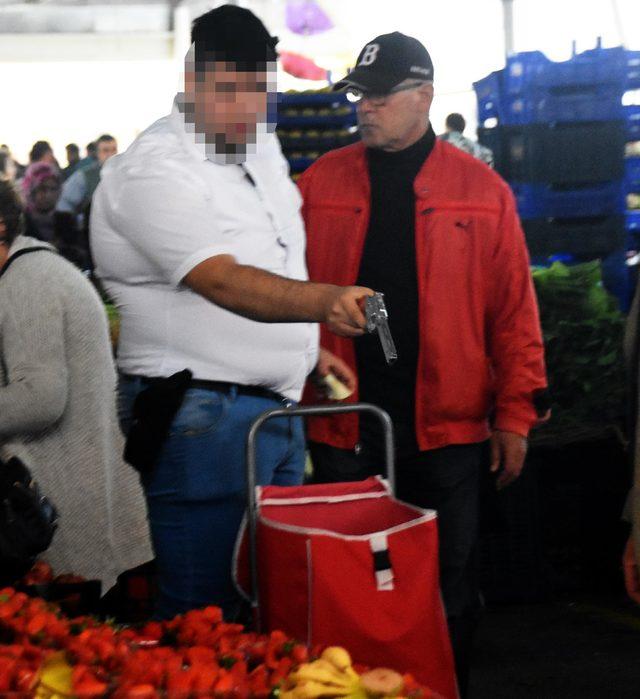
(312, 123)
(632, 181)
(559, 135)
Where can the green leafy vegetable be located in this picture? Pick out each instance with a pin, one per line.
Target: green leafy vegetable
(583, 331)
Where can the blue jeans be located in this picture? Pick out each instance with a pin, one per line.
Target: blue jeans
(196, 492)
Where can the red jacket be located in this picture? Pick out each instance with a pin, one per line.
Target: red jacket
(480, 343)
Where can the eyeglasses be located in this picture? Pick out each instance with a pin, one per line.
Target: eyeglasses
(379, 99)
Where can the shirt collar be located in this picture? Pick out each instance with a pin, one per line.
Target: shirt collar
(187, 137)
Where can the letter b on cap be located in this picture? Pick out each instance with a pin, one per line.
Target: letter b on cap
(369, 54)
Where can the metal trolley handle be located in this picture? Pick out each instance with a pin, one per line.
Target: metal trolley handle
(252, 503)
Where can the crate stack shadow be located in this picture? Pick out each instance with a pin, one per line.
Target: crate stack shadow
(568, 143)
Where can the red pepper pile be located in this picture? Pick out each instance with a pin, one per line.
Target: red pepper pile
(196, 654)
(193, 655)
(19, 665)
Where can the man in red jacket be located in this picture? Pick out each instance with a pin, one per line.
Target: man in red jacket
(435, 230)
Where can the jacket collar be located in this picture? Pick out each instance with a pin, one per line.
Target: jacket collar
(425, 185)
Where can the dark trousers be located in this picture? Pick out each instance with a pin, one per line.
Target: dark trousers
(446, 480)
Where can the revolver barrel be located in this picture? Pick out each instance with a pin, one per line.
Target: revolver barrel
(378, 321)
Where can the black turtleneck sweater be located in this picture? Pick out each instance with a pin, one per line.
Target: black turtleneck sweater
(389, 265)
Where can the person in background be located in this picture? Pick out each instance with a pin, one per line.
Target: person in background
(41, 152)
(43, 222)
(437, 232)
(74, 206)
(91, 155)
(9, 168)
(57, 405)
(79, 188)
(197, 237)
(73, 160)
(455, 126)
(41, 187)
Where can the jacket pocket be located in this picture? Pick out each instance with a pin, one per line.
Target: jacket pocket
(334, 229)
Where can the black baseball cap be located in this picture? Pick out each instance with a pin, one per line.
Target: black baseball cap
(386, 61)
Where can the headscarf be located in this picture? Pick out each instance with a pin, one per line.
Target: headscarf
(35, 175)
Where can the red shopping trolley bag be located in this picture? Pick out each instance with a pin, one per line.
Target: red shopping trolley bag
(348, 564)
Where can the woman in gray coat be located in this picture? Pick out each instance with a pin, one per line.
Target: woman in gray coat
(57, 406)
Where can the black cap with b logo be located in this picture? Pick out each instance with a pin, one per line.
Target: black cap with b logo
(387, 61)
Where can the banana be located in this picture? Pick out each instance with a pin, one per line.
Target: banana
(341, 660)
(341, 673)
(329, 676)
(308, 690)
(338, 657)
(313, 672)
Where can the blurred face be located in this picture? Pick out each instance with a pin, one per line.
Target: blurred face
(396, 121)
(72, 156)
(106, 149)
(45, 196)
(228, 103)
(10, 169)
(48, 158)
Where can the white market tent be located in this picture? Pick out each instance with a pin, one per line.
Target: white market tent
(72, 69)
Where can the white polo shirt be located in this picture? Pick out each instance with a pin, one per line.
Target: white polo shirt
(162, 208)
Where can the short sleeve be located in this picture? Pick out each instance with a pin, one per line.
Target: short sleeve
(169, 222)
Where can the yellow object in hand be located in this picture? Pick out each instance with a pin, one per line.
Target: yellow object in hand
(336, 390)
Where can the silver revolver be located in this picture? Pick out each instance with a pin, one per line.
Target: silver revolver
(378, 321)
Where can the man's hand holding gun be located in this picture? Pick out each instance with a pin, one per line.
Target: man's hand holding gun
(378, 321)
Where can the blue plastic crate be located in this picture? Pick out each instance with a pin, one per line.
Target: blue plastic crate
(536, 200)
(340, 121)
(616, 277)
(595, 67)
(488, 95)
(543, 106)
(518, 111)
(632, 174)
(633, 69)
(581, 103)
(523, 70)
(530, 204)
(312, 98)
(588, 87)
(568, 153)
(633, 241)
(321, 143)
(632, 118)
(546, 105)
(587, 237)
(632, 221)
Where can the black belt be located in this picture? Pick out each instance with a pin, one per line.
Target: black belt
(219, 386)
